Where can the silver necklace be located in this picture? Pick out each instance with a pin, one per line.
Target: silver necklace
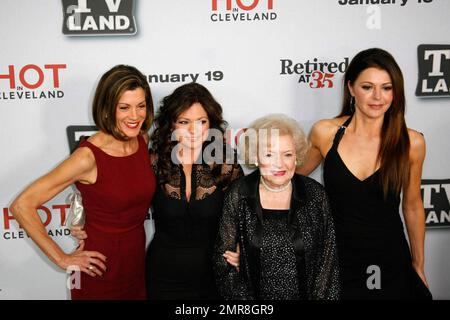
(266, 186)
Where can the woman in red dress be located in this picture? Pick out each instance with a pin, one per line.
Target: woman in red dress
(113, 173)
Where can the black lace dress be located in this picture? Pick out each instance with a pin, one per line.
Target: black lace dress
(179, 258)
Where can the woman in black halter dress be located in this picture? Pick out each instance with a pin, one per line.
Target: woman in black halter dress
(369, 230)
(370, 158)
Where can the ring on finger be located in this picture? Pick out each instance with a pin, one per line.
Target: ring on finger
(90, 267)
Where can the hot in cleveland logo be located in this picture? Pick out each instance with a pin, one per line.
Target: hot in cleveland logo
(53, 217)
(315, 73)
(242, 10)
(31, 81)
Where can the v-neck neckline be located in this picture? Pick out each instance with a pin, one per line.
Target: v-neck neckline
(183, 184)
(335, 146)
(351, 173)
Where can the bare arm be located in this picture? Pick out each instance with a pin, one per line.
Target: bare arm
(80, 166)
(316, 153)
(312, 161)
(413, 210)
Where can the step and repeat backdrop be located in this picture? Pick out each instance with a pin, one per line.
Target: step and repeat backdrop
(256, 57)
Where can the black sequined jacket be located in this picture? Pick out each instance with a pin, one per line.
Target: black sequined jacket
(312, 233)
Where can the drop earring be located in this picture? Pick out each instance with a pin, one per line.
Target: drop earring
(352, 104)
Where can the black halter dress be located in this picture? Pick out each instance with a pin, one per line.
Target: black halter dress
(374, 256)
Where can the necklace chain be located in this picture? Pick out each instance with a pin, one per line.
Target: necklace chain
(266, 186)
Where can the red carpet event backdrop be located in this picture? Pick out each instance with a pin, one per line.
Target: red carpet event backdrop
(256, 57)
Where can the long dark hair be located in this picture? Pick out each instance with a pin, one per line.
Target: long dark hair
(394, 146)
(171, 107)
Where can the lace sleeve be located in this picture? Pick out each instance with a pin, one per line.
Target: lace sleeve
(326, 282)
(153, 160)
(230, 282)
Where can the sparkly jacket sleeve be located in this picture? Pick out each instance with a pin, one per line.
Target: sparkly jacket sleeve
(326, 282)
(230, 282)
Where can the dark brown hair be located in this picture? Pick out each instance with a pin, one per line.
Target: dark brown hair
(110, 88)
(171, 107)
(394, 146)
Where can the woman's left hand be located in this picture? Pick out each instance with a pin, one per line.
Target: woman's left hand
(233, 258)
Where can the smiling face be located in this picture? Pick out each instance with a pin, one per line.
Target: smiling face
(277, 160)
(373, 92)
(191, 127)
(131, 112)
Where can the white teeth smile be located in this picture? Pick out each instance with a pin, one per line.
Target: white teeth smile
(132, 125)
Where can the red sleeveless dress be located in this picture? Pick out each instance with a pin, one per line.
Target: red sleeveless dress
(116, 206)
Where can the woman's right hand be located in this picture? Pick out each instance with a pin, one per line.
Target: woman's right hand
(90, 262)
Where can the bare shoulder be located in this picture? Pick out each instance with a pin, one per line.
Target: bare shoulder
(417, 144)
(416, 137)
(97, 139)
(327, 126)
(79, 166)
(83, 158)
(324, 130)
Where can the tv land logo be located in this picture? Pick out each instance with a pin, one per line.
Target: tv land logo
(314, 73)
(99, 17)
(436, 201)
(31, 81)
(434, 70)
(242, 10)
(74, 133)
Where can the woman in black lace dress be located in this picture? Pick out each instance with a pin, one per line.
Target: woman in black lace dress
(193, 170)
(280, 219)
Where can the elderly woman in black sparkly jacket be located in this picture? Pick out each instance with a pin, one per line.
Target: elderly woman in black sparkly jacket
(280, 219)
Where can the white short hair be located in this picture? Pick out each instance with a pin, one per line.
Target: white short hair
(284, 126)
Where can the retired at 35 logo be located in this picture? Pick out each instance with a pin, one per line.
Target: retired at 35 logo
(313, 72)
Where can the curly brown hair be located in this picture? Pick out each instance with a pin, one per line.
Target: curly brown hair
(170, 109)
